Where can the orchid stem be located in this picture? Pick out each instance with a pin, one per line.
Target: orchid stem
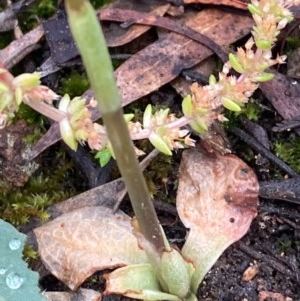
(91, 43)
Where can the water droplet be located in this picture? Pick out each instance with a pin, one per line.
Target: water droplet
(14, 281)
(14, 244)
(3, 271)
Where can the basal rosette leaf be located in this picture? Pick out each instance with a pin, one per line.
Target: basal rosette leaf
(217, 199)
(76, 244)
(136, 281)
(176, 273)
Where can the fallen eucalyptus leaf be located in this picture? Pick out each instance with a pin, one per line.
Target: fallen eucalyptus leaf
(237, 3)
(81, 242)
(217, 199)
(116, 35)
(18, 49)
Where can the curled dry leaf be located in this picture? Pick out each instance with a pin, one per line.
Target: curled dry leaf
(236, 3)
(115, 35)
(217, 199)
(18, 49)
(81, 242)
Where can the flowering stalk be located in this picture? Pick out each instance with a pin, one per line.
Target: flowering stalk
(24, 88)
(90, 41)
(205, 103)
(165, 131)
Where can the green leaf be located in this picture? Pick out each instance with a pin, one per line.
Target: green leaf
(136, 281)
(264, 77)
(28, 80)
(199, 125)
(187, 106)
(175, 273)
(103, 156)
(147, 117)
(231, 105)
(235, 64)
(212, 80)
(263, 44)
(159, 143)
(67, 134)
(128, 117)
(253, 9)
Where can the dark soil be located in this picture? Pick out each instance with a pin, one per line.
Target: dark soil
(272, 245)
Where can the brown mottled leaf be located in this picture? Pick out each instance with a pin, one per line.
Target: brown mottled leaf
(283, 93)
(242, 4)
(18, 49)
(123, 15)
(116, 35)
(163, 60)
(217, 199)
(77, 244)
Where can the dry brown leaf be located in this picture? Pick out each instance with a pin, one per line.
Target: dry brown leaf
(116, 36)
(18, 49)
(81, 295)
(217, 199)
(123, 15)
(283, 93)
(205, 68)
(77, 244)
(242, 4)
(163, 60)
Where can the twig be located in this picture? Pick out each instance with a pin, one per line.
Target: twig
(263, 151)
(267, 259)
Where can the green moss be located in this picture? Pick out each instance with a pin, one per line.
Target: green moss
(99, 3)
(161, 178)
(29, 252)
(292, 43)
(5, 39)
(43, 9)
(46, 8)
(29, 115)
(252, 110)
(289, 151)
(285, 244)
(18, 204)
(74, 84)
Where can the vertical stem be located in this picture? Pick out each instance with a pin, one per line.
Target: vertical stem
(92, 47)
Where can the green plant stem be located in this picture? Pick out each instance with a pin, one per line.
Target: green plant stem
(91, 44)
(46, 110)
